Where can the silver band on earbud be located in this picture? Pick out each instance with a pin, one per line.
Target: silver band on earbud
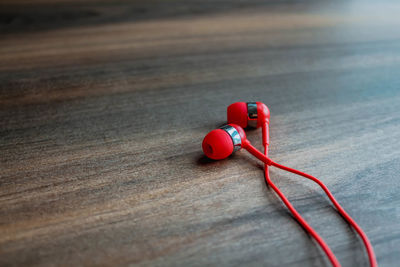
(252, 114)
(234, 134)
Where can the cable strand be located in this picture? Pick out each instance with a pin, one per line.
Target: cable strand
(367, 243)
(331, 256)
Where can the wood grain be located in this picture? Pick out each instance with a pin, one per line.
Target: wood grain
(104, 105)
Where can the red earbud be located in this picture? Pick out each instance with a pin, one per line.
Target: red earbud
(250, 114)
(221, 143)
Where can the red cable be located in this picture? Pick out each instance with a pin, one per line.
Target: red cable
(371, 255)
(368, 246)
(298, 217)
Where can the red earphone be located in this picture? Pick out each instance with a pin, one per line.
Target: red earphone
(221, 143)
(250, 114)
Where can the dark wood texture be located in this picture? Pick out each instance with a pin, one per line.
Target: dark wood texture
(104, 104)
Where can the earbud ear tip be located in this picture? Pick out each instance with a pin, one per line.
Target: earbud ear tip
(237, 114)
(217, 144)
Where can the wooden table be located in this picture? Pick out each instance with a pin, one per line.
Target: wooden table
(104, 105)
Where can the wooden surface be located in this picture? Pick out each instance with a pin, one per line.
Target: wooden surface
(104, 104)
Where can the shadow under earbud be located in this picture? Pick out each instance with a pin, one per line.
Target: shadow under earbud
(204, 160)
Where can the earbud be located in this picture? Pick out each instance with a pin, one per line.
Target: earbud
(221, 143)
(250, 114)
(224, 141)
